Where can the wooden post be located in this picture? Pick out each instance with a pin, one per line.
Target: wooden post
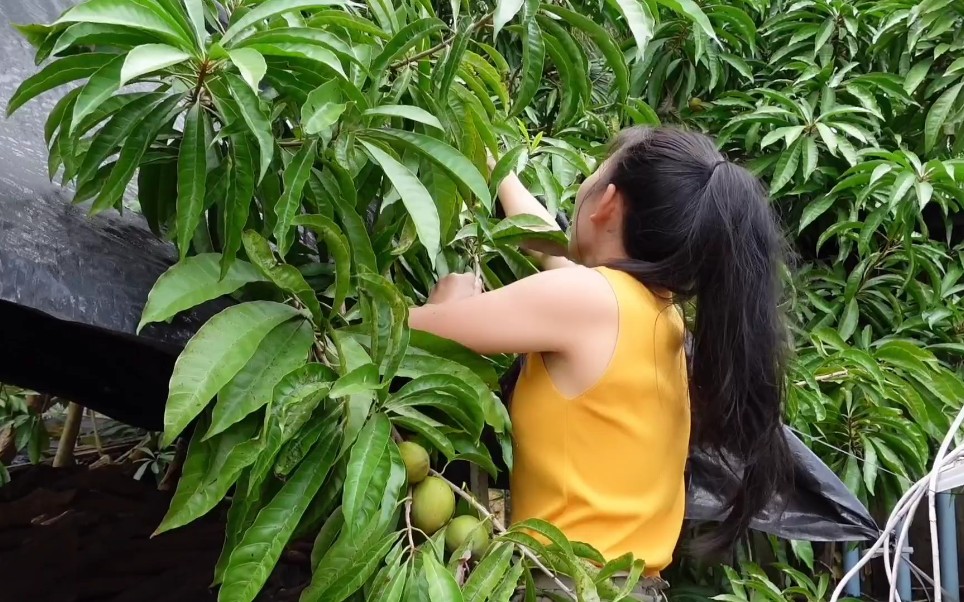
(479, 485)
(68, 437)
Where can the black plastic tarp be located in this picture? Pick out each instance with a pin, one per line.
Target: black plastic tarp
(72, 290)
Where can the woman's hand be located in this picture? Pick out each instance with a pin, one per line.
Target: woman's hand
(454, 287)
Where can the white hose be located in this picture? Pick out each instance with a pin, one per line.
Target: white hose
(903, 513)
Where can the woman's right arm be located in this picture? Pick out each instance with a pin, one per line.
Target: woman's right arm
(516, 199)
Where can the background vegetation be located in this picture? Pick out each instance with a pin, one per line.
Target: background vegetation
(324, 161)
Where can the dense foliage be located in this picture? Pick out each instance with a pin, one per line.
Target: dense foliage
(324, 162)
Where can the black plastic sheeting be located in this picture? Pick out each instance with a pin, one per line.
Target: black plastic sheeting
(72, 290)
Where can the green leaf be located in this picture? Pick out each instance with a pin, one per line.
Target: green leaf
(533, 64)
(410, 36)
(148, 58)
(809, 156)
(191, 177)
(98, 89)
(237, 201)
(269, 9)
(938, 114)
(251, 65)
(250, 106)
(115, 132)
(386, 313)
(322, 109)
(138, 15)
(828, 136)
(285, 277)
(282, 350)
(210, 469)
(442, 586)
(408, 112)
(415, 197)
(214, 355)
(132, 152)
(785, 168)
(916, 75)
(295, 177)
(261, 546)
(350, 562)
(338, 249)
(603, 39)
(58, 73)
(361, 379)
(508, 587)
(457, 165)
(372, 483)
(640, 22)
(195, 11)
(692, 10)
(505, 11)
(848, 321)
(191, 282)
(443, 77)
(547, 530)
(487, 575)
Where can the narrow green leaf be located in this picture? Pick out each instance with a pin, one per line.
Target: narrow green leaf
(828, 136)
(350, 562)
(410, 36)
(371, 488)
(250, 106)
(212, 357)
(533, 65)
(115, 132)
(58, 73)
(442, 586)
(640, 21)
(282, 350)
(691, 10)
(101, 86)
(361, 379)
(505, 11)
(295, 177)
(148, 58)
(386, 314)
(237, 203)
(132, 152)
(487, 575)
(338, 249)
(322, 109)
(191, 282)
(786, 168)
(284, 276)
(603, 39)
(251, 65)
(210, 469)
(848, 321)
(191, 177)
(138, 15)
(457, 165)
(938, 114)
(261, 546)
(443, 77)
(195, 11)
(510, 584)
(407, 112)
(269, 9)
(415, 197)
(809, 156)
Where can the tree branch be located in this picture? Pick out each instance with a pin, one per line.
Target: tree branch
(440, 46)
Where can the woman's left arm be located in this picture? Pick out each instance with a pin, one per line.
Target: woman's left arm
(546, 312)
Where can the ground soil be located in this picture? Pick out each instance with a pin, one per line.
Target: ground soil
(83, 535)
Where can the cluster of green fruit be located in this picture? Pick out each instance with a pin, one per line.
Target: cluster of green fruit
(433, 505)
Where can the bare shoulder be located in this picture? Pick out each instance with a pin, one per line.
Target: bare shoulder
(578, 289)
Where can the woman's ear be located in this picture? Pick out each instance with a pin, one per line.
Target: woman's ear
(606, 206)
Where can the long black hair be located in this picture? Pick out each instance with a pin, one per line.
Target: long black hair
(701, 227)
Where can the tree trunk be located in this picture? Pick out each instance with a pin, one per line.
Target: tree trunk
(68, 438)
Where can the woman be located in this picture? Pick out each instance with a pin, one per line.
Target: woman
(605, 410)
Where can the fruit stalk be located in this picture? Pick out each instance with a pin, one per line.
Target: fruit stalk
(500, 528)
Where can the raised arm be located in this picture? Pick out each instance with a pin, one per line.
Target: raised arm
(516, 199)
(547, 312)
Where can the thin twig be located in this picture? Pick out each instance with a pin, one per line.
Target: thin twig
(408, 521)
(826, 377)
(501, 529)
(440, 46)
(93, 423)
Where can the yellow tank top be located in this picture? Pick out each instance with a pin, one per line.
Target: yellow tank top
(606, 467)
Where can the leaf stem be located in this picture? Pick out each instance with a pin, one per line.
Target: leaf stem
(501, 529)
(441, 45)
